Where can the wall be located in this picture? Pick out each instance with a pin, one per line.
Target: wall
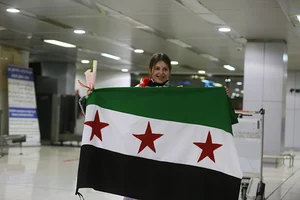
(104, 79)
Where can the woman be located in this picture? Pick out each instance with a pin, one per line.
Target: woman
(159, 71)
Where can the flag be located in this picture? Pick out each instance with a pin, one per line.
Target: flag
(159, 144)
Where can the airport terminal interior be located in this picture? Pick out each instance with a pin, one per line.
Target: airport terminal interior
(51, 49)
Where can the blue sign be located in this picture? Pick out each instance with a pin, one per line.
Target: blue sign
(22, 112)
(20, 73)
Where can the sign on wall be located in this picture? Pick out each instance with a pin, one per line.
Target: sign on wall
(23, 119)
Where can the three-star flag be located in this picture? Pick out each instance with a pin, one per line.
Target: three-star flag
(136, 148)
(148, 138)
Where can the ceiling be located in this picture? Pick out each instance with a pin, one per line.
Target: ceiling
(118, 26)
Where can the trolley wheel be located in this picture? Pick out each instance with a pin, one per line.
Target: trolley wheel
(259, 197)
(260, 193)
(243, 193)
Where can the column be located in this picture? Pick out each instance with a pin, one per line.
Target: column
(265, 76)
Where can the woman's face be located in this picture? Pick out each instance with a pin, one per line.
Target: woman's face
(160, 72)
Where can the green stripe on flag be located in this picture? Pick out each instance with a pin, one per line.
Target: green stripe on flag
(204, 106)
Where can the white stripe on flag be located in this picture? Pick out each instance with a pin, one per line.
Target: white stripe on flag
(175, 146)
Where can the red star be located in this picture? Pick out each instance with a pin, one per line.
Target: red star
(96, 126)
(147, 139)
(207, 148)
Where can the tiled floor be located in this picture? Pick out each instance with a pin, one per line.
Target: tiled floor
(44, 173)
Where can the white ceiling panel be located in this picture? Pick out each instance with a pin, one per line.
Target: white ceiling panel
(246, 22)
(103, 26)
(239, 4)
(25, 4)
(24, 24)
(71, 11)
(291, 7)
(161, 7)
(109, 31)
(178, 25)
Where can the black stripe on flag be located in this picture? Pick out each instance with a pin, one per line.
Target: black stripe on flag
(147, 179)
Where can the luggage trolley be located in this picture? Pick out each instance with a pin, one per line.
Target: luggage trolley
(249, 140)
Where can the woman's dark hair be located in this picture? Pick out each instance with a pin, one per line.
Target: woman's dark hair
(160, 57)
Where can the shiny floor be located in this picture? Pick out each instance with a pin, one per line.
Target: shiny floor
(44, 173)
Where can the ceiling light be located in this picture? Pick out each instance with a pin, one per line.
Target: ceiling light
(298, 17)
(218, 85)
(138, 51)
(79, 31)
(202, 77)
(110, 56)
(224, 30)
(59, 43)
(285, 57)
(230, 68)
(242, 91)
(174, 63)
(124, 70)
(180, 43)
(237, 89)
(85, 61)
(13, 10)
(239, 83)
(201, 72)
(227, 80)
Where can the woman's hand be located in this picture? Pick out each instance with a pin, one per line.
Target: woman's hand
(89, 92)
(227, 91)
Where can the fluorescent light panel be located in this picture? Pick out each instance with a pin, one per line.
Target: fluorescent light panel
(218, 85)
(79, 31)
(224, 29)
(174, 62)
(110, 56)
(138, 51)
(124, 70)
(85, 61)
(230, 68)
(59, 43)
(201, 72)
(13, 10)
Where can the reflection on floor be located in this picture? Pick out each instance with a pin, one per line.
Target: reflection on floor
(50, 173)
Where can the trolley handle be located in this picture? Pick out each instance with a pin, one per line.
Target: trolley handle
(80, 102)
(250, 113)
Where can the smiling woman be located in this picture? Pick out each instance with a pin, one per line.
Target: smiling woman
(159, 71)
